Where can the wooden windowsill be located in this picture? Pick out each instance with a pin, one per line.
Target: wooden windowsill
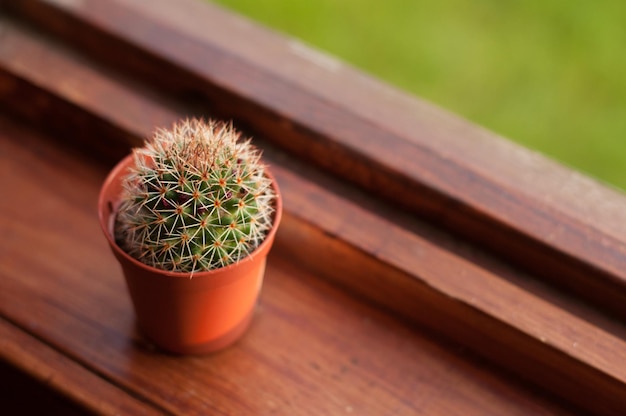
(424, 266)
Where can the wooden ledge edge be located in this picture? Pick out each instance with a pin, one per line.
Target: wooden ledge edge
(65, 377)
(453, 298)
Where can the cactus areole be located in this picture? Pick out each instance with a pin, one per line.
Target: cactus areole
(197, 199)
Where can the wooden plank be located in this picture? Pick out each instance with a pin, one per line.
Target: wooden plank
(19, 389)
(525, 208)
(312, 349)
(532, 332)
(27, 55)
(80, 390)
(539, 335)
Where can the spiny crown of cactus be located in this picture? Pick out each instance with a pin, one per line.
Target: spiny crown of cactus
(197, 199)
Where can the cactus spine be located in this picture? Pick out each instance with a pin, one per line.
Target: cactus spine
(197, 199)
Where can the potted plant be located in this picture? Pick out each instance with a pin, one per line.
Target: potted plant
(191, 217)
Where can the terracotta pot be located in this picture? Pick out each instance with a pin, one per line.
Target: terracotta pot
(180, 314)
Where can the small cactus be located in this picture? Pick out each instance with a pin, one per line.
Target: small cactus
(197, 199)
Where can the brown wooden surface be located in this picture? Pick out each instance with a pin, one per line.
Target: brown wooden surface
(348, 267)
(528, 209)
(311, 350)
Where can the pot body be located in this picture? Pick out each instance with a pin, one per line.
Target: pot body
(182, 312)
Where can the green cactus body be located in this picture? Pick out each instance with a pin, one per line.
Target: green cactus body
(197, 199)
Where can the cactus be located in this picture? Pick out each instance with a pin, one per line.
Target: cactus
(197, 199)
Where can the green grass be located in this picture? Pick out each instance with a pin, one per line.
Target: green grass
(550, 74)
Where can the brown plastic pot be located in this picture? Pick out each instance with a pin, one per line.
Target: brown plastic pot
(178, 312)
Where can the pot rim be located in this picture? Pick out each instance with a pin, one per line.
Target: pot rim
(107, 211)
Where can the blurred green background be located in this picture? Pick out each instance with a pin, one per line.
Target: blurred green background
(550, 74)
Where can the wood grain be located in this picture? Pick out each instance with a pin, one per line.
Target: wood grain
(523, 207)
(81, 389)
(376, 252)
(312, 349)
(351, 273)
(544, 338)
